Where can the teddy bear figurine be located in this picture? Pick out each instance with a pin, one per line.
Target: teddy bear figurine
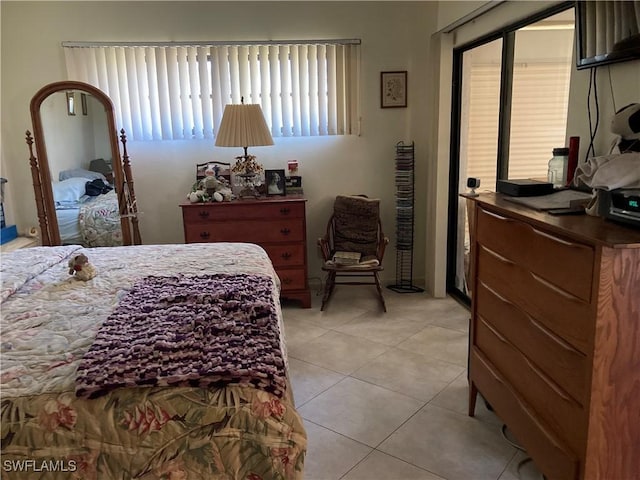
(210, 188)
(215, 185)
(197, 196)
(80, 267)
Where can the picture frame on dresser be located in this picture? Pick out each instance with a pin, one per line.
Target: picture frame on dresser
(223, 170)
(275, 182)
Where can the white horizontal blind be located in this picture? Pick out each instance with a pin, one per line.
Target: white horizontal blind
(179, 92)
(538, 116)
(538, 119)
(481, 140)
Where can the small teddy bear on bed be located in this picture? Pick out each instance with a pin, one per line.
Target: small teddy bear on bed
(80, 266)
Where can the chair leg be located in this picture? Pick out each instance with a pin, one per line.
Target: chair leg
(328, 288)
(384, 306)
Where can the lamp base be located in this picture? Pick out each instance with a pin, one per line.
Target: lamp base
(249, 183)
(249, 192)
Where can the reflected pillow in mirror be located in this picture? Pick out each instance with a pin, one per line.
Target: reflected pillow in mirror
(82, 173)
(69, 190)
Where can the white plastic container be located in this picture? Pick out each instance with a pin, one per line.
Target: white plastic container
(557, 173)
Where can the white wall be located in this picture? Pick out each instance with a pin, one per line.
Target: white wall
(395, 36)
(451, 11)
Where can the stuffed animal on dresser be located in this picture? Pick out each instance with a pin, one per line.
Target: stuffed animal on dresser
(80, 267)
(210, 188)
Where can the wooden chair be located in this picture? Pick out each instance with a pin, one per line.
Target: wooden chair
(354, 226)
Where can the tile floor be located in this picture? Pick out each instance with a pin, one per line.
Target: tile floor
(384, 395)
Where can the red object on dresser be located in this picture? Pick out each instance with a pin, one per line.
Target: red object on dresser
(574, 149)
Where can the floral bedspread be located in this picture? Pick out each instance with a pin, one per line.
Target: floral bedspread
(50, 319)
(99, 221)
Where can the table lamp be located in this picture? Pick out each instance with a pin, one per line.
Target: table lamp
(244, 126)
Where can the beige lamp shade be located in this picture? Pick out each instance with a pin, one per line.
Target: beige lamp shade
(243, 126)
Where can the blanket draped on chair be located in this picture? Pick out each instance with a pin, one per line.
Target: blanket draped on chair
(356, 225)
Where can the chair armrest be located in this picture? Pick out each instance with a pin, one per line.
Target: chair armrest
(381, 248)
(323, 243)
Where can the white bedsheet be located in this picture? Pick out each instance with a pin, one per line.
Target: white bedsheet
(69, 226)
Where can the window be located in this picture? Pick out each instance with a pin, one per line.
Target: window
(510, 110)
(179, 91)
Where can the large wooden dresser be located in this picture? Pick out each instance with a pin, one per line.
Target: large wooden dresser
(555, 336)
(276, 224)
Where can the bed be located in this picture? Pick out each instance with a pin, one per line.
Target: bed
(70, 404)
(88, 220)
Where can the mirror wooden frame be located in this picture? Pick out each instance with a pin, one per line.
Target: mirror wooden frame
(41, 174)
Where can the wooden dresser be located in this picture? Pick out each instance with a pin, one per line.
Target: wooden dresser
(555, 336)
(278, 225)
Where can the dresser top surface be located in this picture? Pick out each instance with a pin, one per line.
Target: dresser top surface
(586, 228)
(248, 201)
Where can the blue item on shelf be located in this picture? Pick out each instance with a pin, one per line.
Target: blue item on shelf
(8, 233)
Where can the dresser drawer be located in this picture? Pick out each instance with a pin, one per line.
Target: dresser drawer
(291, 279)
(555, 357)
(257, 231)
(242, 211)
(539, 251)
(553, 456)
(565, 315)
(286, 255)
(276, 224)
(554, 406)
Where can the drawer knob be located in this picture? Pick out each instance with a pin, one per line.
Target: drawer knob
(203, 213)
(285, 231)
(286, 280)
(205, 234)
(286, 255)
(284, 211)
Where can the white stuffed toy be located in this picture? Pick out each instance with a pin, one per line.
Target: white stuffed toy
(210, 188)
(197, 196)
(80, 267)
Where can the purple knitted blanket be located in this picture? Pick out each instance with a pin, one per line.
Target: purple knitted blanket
(199, 331)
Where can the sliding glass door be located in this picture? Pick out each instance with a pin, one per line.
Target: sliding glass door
(478, 148)
(510, 107)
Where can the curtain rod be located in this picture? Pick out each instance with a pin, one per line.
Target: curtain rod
(341, 41)
(490, 5)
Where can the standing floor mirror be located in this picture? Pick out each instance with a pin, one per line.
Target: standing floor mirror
(83, 187)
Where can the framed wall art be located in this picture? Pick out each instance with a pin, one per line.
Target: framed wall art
(274, 180)
(83, 102)
(71, 103)
(393, 89)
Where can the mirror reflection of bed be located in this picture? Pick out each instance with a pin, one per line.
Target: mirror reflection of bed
(78, 149)
(84, 188)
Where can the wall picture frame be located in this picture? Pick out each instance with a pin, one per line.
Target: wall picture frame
(393, 89)
(83, 102)
(275, 182)
(71, 103)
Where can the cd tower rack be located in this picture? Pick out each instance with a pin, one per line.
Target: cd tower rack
(404, 219)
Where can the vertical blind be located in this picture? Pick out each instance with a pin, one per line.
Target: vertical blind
(179, 91)
(608, 23)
